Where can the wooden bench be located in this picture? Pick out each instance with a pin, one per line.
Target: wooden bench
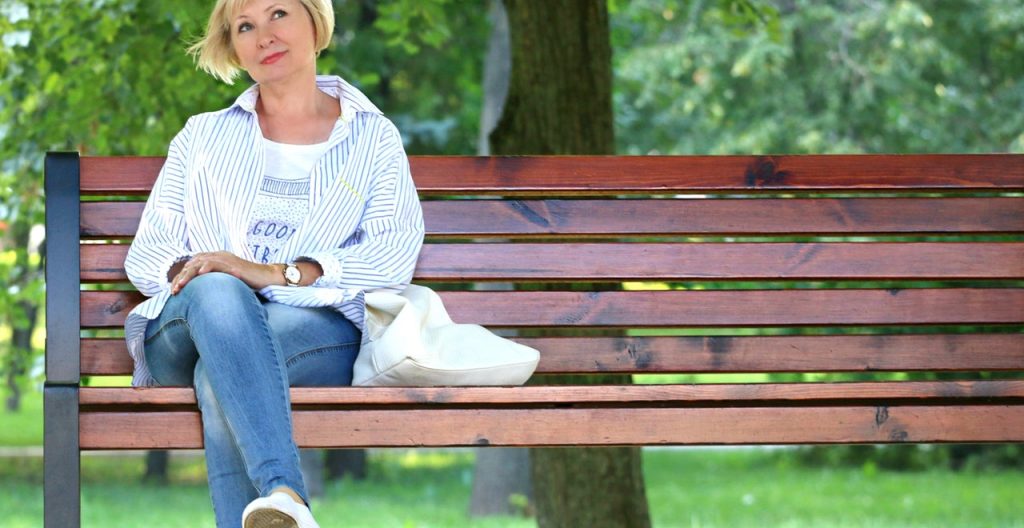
(770, 273)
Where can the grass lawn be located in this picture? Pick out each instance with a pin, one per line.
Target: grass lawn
(686, 488)
(25, 427)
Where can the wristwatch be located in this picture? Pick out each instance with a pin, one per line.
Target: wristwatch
(292, 275)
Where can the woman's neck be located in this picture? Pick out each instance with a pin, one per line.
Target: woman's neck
(299, 113)
(296, 100)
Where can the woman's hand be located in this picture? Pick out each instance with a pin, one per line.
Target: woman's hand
(257, 276)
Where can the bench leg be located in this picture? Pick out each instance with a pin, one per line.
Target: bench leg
(61, 469)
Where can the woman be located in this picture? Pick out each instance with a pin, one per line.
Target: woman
(268, 221)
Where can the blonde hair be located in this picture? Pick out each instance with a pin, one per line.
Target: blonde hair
(214, 53)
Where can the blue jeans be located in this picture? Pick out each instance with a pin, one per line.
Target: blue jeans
(241, 354)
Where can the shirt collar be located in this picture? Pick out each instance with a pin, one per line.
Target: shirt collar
(352, 100)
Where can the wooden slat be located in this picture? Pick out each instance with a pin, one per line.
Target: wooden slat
(109, 219)
(662, 174)
(103, 262)
(743, 261)
(105, 357)
(591, 426)
(671, 261)
(107, 309)
(517, 218)
(906, 392)
(720, 354)
(690, 308)
(119, 174)
(821, 216)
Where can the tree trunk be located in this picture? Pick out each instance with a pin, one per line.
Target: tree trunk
(560, 92)
(13, 401)
(595, 487)
(342, 462)
(157, 462)
(19, 355)
(501, 480)
(560, 102)
(311, 463)
(497, 68)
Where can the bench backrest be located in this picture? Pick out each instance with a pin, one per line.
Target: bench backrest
(892, 267)
(718, 220)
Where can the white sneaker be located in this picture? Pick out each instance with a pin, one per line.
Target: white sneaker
(277, 510)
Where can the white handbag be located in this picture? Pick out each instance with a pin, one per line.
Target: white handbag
(409, 340)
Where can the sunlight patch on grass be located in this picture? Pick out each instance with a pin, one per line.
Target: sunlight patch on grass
(645, 286)
(436, 459)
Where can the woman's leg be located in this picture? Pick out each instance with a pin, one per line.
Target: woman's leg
(318, 346)
(230, 486)
(219, 324)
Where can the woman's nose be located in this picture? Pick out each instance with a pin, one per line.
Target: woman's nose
(266, 38)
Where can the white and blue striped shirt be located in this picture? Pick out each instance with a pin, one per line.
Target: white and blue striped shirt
(365, 224)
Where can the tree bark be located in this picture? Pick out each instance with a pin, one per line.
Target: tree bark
(560, 92)
(560, 102)
(501, 479)
(596, 487)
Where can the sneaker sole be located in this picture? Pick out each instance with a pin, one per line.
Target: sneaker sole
(269, 518)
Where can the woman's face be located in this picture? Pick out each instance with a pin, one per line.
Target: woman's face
(274, 39)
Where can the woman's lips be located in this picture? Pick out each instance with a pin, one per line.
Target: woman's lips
(272, 58)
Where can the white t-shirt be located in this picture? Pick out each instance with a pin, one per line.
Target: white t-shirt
(283, 200)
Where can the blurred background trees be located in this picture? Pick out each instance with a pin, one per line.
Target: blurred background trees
(110, 77)
(885, 76)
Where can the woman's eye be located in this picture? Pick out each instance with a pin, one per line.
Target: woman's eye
(246, 26)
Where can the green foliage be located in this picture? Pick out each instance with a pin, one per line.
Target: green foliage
(872, 458)
(123, 87)
(842, 76)
(745, 16)
(103, 78)
(406, 22)
(420, 62)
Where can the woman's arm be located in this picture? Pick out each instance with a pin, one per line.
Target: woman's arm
(256, 276)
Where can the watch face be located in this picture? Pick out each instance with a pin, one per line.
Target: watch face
(292, 275)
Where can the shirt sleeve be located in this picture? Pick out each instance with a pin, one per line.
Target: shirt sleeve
(162, 237)
(383, 251)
